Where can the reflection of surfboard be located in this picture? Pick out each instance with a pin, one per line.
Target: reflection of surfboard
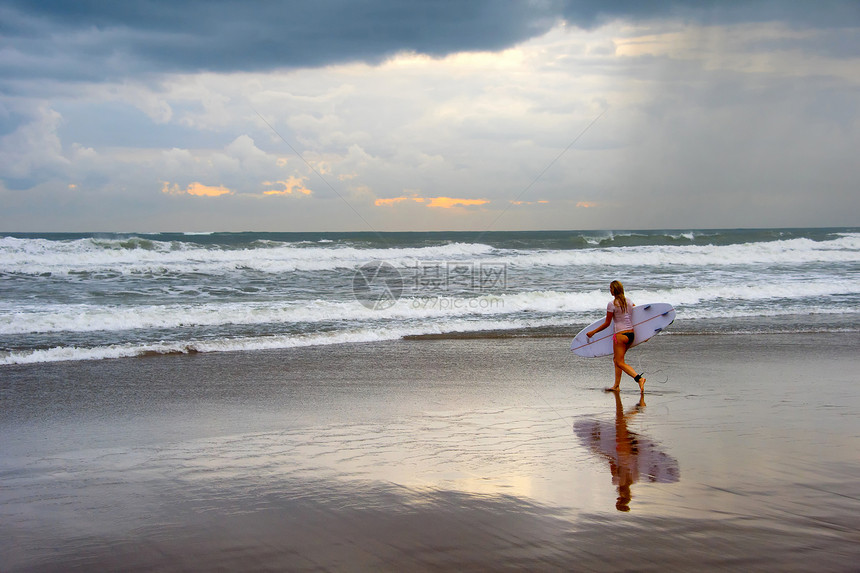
(648, 320)
(652, 464)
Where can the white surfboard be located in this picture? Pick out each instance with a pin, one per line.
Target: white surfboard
(648, 320)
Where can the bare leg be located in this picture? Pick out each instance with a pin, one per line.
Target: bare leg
(618, 372)
(619, 351)
(617, 385)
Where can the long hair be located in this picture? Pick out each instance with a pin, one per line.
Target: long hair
(616, 289)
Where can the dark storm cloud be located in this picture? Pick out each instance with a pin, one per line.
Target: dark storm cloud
(820, 14)
(93, 40)
(842, 43)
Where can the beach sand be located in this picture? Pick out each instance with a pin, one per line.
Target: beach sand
(438, 454)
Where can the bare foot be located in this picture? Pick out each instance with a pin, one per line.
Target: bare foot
(613, 389)
(642, 385)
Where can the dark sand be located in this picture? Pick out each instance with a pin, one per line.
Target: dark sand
(467, 454)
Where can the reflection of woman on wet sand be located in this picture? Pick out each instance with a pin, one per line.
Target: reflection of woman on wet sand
(632, 457)
(619, 310)
(625, 472)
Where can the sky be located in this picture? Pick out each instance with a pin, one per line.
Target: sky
(374, 115)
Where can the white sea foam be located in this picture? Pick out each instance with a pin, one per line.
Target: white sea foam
(89, 318)
(31, 319)
(376, 333)
(356, 335)
(792, 251)
(139, 256)
(111, 293)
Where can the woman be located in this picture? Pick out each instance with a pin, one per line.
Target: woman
(620, 309)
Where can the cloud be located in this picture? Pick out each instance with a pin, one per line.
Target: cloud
(715, 114)
(195, 189)
(33, 153)
(394, 200)
(434, 202)
(449, 202)
(288, 187)
(825, 14)
(92, 41)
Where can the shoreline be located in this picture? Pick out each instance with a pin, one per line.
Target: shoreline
(789, 324)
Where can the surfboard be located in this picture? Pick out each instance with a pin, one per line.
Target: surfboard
(648, 320)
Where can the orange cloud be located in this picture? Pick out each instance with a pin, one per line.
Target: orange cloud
(394, 200)
(441, 202)
(196, 189)
(388, 202)
(292, 185)
(448, 202)
(586, 204)
(201, 190)
(540, 202)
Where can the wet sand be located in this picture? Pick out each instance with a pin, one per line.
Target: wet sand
(436, 454)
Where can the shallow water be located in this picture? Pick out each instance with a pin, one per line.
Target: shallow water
(435, 454)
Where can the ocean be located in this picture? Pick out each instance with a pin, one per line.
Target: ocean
(90, 296)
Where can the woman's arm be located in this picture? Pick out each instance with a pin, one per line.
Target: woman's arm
(609, 317)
